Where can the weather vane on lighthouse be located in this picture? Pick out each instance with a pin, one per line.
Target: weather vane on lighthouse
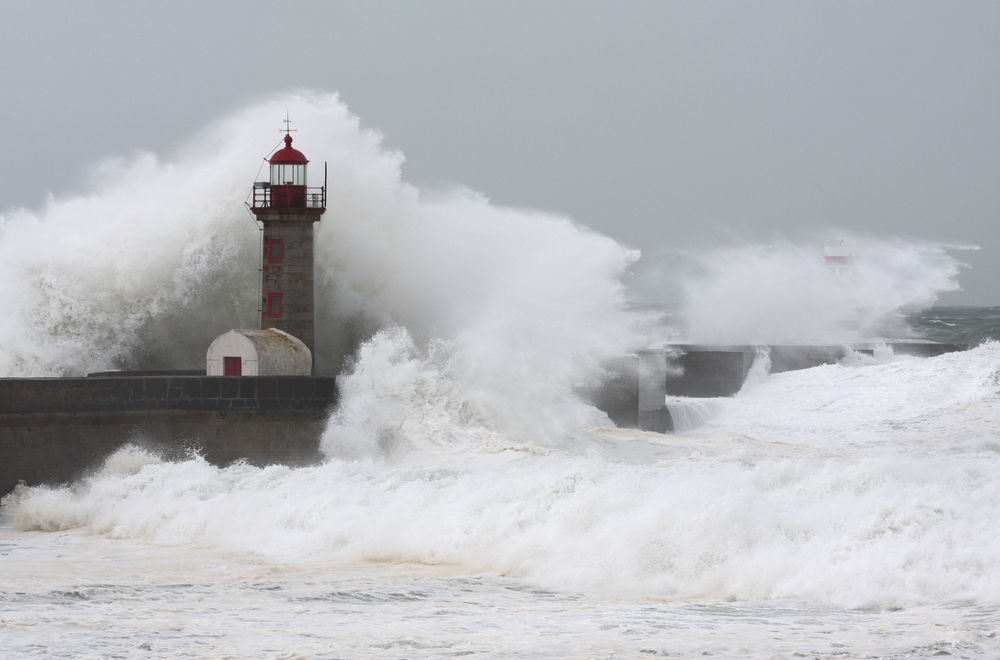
(288, 125)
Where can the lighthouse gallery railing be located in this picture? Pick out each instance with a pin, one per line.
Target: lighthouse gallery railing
(309, 197)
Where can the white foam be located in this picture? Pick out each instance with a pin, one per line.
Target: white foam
(797, 489)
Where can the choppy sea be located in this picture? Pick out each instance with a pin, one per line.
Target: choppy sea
(844, 511)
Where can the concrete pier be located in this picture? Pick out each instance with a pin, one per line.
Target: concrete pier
(653, 414)
(51, 429)
(635, 389)
(716, 371)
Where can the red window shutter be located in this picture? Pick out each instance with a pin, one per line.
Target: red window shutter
(274, 304)
(275, 250)
(234, 366)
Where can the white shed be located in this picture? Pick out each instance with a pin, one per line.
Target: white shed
(270, 352)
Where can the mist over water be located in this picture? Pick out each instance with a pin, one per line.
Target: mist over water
(782, 292)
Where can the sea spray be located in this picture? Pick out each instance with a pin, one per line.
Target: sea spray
(159, 257)
(689, 413)
(783, 292)
(396, 397)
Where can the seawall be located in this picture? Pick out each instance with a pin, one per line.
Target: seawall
(718, 371)
(52, 429)
(635, 389)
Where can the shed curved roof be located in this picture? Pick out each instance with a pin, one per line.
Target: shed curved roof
(277, 352)
(275, 345)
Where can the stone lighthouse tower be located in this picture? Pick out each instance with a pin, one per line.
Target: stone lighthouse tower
(287, 209)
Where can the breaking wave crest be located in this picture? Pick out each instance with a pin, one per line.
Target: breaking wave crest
(160, 257)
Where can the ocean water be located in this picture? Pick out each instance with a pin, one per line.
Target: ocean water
(470, 503)
(961, 325)
(846, 511)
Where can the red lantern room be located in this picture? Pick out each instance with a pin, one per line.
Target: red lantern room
(287, 187)
(288, 177)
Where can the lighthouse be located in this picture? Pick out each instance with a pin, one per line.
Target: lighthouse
(287, 209)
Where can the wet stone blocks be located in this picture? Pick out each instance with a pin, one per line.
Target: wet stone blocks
(291, 275)
(54, 429)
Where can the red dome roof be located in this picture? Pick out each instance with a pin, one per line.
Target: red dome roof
(287, 156)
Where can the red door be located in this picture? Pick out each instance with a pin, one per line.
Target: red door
(234, 366)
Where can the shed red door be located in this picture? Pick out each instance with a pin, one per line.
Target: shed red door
(234, 366)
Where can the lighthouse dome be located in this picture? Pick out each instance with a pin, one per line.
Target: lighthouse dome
(288, 155)
(288, 168)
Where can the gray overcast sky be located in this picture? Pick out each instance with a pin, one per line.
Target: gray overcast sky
(659, 124)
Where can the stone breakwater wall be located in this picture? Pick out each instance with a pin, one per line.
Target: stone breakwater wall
(54, 429)
(717, 371)
(635, 390)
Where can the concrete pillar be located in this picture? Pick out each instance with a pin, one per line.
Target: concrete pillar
(653, 413)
